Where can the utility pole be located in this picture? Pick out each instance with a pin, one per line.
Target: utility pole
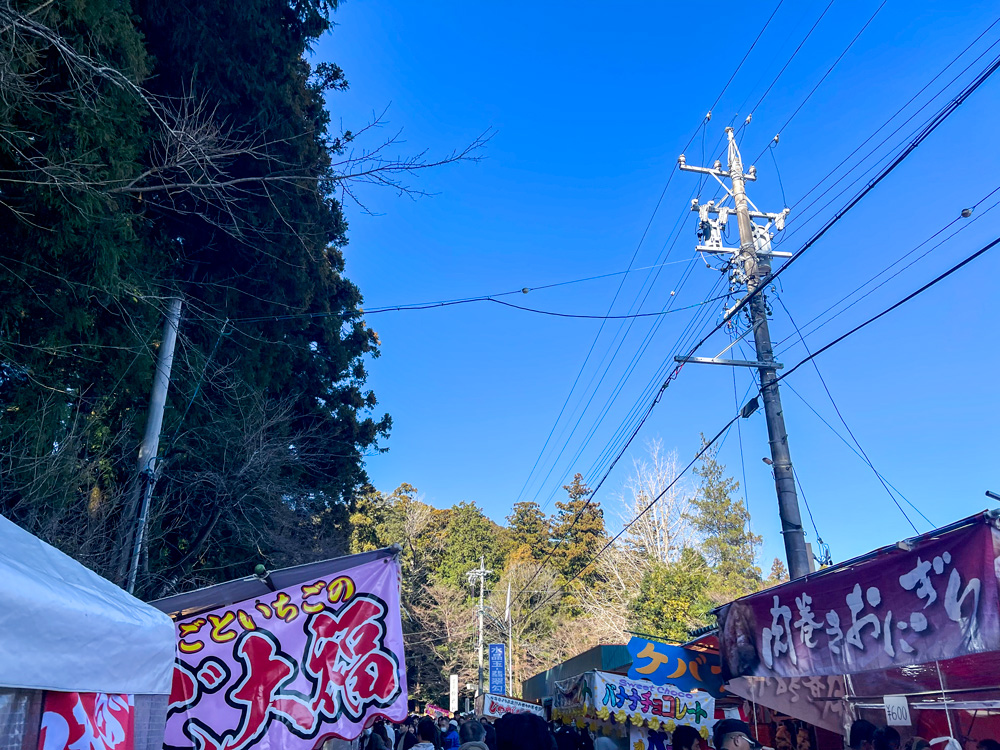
(750, 263)
(481, 572)
(510, 646)
(146, 465)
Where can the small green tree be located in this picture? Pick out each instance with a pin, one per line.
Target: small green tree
(723, 522)
(673, 597)
(577, 530)
(779, 574)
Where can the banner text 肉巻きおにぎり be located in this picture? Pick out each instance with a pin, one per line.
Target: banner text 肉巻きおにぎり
(901, 607)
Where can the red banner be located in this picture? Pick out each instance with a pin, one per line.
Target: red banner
(901, 607)
(88, 721)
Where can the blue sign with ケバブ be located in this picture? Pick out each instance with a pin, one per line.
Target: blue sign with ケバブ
(498, 673)
(665, 664)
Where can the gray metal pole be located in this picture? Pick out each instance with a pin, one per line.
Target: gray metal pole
(146, 465)
(784, 480)
(482, 580)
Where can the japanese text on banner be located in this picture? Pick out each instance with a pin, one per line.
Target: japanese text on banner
(936, 601)
(284, 671)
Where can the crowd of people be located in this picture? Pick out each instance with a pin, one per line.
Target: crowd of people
(466, 732)
(531, 732)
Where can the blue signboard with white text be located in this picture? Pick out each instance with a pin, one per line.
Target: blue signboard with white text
(498, 673)
(665, 664)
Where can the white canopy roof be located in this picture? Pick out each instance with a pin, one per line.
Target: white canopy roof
(63, 627)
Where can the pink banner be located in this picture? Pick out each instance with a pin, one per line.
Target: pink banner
(900, 607)
(287, 671)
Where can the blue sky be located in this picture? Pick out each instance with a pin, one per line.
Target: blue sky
(591, 105)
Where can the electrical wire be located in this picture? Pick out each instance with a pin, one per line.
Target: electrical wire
(933, 125)
(928, 129)
(826, 74)
(753, 44)
(597, 337)
(847, 427)
(750, 409)
(892, 117)
(967, 223)
(789, 61)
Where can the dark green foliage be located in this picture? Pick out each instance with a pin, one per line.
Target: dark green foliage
(529, 531)
(468, 535)
(580, 527)
(673, 597)
(723, 522)
(270, 453)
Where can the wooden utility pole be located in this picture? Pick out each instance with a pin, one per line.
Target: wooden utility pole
(750, 263)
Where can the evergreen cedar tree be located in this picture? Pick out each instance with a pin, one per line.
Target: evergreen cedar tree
(580, 526)
(78, 319)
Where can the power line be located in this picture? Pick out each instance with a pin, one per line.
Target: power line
(828, 71)
(746, 55)
(907, 298)
(643, 512)
(844, 440)
(966, 225)
(933, 125)
(593, 344)
(751, 406)
(895, 115)
(847, 427)
(789, 61)
(927, 130)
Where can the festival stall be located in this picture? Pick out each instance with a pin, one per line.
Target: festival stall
(82, 663)
(907, 635)
(619, 706)
(287, 659)
(489, 706)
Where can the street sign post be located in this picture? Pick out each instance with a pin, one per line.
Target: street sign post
(498, 674)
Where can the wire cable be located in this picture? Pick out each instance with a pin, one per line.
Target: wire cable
(789, 61)
(827, 73)
(938, 279)
(933, 125)
(847, 427)
(746, 55)
(928, 129)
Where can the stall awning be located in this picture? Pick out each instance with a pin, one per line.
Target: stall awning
(224, 594)
(64, 628)
(924, 599)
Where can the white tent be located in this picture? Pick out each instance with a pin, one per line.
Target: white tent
(64, 628)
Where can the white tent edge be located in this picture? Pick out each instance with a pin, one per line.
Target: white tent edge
(65, 628)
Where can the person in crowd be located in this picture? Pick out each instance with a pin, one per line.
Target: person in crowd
(390, 734)
(685, 738)
(986, 745)
(407, 734)
(427, 735)
(886, 738)
(733, 734)
(567, 738)
(473, 736)
(491, 735)
(375, 738)
(449, 734)
(917, 743)
(523, 731)
(862, 735)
